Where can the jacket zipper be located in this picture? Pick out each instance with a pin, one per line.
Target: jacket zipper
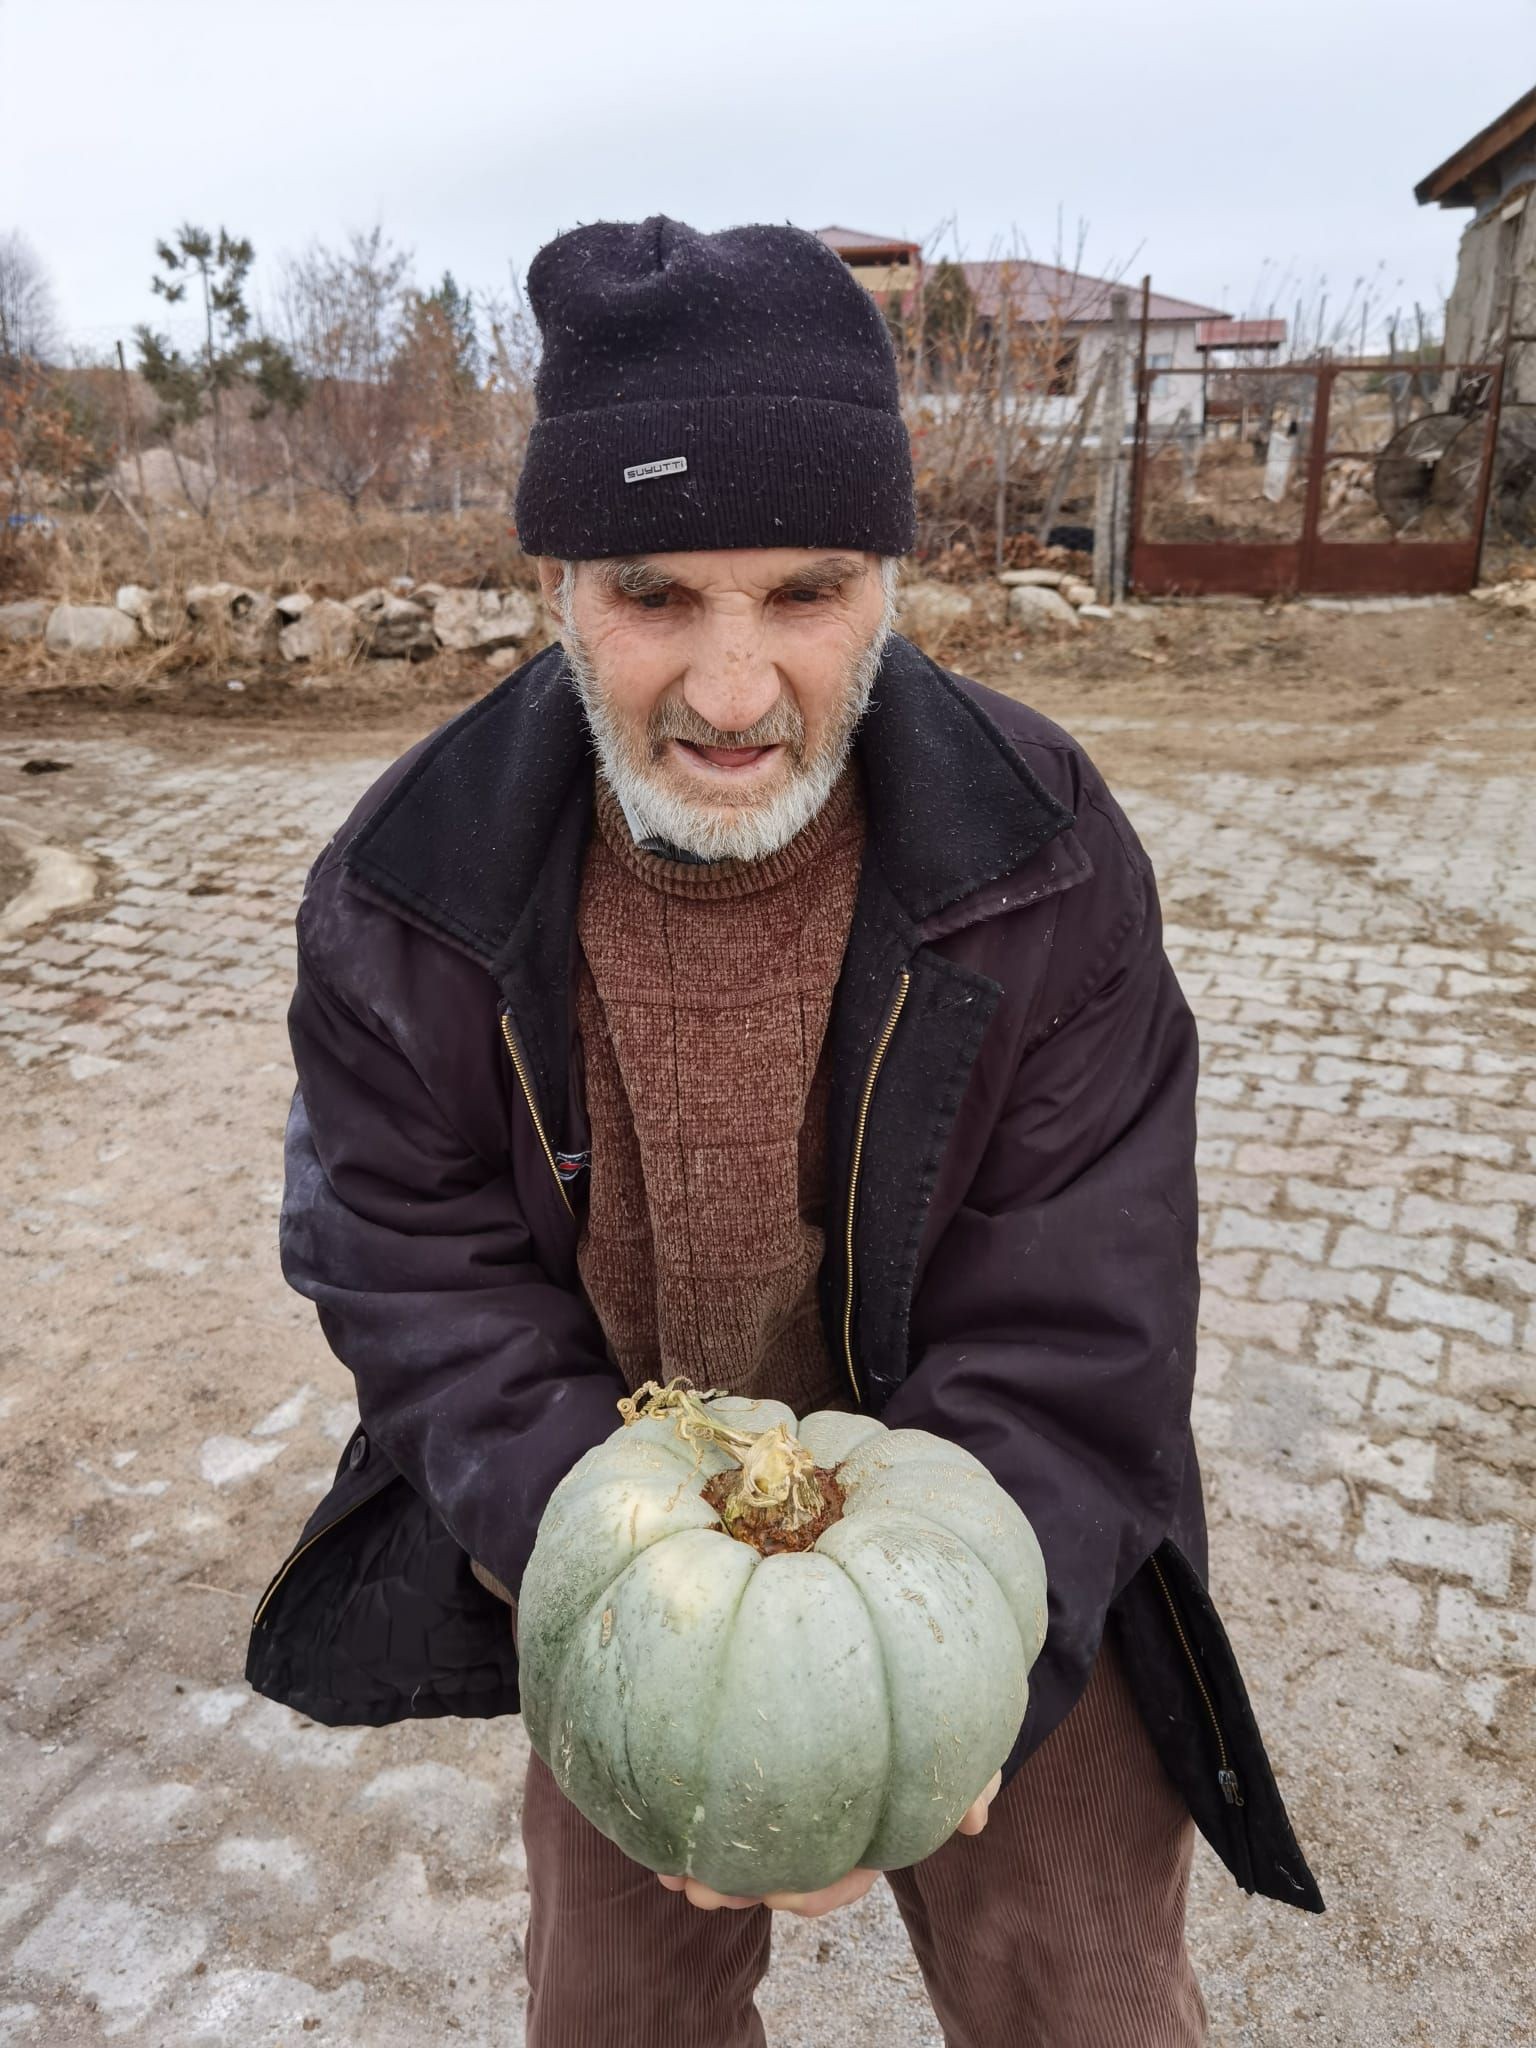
(882, 1045)
(289, 1563)
(533, 1108)
(1226, 1777)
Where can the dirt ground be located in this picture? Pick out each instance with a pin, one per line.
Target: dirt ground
(1340, 808)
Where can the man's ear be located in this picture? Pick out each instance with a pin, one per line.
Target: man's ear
(549, 582)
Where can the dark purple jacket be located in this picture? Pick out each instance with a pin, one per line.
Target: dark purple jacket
(1010, 1254)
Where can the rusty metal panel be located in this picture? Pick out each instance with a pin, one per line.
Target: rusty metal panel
(1215, 568)
(1390, 568)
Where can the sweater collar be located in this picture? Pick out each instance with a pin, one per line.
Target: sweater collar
(485, 830)
(719, 881)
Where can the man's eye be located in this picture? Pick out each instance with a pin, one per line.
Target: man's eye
(806, 596)
(654, 600)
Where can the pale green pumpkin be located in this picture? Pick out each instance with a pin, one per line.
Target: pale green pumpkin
(766, 1722)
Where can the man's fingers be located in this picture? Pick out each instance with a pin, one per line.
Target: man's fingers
(707, 1901)
(811, 1905)
(701, 1896)
(976, 1813)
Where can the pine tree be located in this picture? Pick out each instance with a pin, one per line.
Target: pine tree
(458, 312)
(191, 385)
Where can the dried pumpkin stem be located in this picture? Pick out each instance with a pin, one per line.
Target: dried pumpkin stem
(777, 1471)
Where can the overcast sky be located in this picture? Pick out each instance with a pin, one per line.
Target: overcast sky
(1238, 152)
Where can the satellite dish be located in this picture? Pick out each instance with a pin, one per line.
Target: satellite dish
(1512, 495)
(1406, 468)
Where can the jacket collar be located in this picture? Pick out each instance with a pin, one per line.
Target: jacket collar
(479, 839)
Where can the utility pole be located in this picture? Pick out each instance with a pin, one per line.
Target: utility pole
(1108, 526)
(920, 352)
(1005, 352)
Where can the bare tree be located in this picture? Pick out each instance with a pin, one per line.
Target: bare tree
(342, 313)
(28, 324)
(512, 358)
(989, 353)
(43, 442)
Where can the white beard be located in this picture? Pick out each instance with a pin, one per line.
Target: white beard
(749, 831)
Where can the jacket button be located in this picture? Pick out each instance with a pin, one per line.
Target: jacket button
(357, 1457)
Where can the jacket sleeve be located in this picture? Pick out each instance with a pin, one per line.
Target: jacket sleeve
(480, 1378)
(1054, 1331)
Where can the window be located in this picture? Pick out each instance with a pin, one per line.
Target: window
(1062, 382)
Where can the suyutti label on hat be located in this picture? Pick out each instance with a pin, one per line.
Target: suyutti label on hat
(642, 472)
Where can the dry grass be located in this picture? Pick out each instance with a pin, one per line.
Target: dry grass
(323, 550)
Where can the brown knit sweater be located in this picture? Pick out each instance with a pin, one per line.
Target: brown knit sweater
(702, 1006)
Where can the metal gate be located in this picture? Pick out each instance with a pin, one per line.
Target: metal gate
(1348, 478)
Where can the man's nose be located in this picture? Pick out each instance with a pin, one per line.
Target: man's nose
(731, 682)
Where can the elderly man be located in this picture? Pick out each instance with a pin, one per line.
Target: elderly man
(735, 993)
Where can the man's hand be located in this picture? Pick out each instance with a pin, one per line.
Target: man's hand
(974, 1819)
(811, 1905)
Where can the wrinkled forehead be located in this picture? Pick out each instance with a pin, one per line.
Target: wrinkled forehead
(751, 572)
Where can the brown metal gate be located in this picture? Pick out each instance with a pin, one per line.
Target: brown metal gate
(1348, 478)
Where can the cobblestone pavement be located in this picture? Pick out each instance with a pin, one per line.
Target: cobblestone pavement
(190, 1864)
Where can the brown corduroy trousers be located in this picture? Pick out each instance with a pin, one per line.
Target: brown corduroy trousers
(1060, 1926)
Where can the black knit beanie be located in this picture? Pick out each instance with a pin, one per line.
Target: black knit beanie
(735, 390)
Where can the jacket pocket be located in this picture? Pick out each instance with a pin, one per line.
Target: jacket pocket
(376, 1615)
(1195, 1704)
(1219, 1762)
(363, 1471)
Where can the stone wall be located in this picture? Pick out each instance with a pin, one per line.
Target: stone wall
(400, 621)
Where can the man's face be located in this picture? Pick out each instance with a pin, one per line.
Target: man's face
(723, 687)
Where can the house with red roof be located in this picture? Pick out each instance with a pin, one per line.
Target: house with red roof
(1069, 315)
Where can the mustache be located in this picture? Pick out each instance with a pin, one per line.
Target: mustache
(782, 725)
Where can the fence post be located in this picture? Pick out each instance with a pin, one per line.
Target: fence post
(1490, 458)
(131, 435)
(1066, 462)
(1317, 463)
(1108, 525)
